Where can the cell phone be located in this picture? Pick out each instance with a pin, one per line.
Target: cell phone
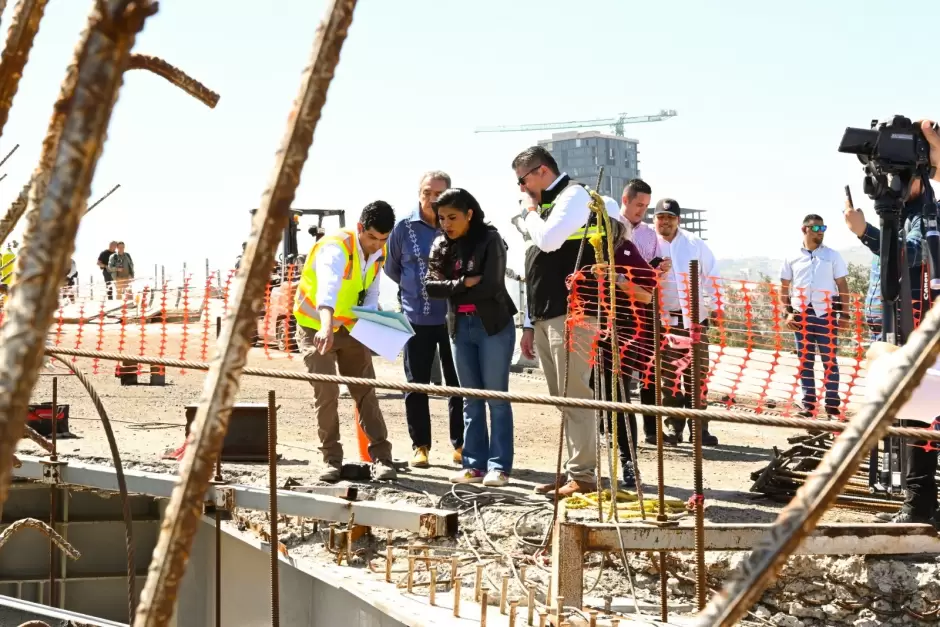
(848, 196)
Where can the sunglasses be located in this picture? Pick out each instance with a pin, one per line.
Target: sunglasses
(521, 179)
(817, 228)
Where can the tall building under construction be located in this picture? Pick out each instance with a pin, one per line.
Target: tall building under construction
(582, 154)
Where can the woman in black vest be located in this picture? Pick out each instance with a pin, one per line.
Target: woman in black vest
(467, 266)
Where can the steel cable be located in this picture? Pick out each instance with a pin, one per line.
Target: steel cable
(719, 415)
(119, 474)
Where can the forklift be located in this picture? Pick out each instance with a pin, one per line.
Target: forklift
(276, 324)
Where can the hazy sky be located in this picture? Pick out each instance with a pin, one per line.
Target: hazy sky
(763, 93)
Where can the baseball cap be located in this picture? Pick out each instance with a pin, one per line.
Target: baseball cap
(667, 205)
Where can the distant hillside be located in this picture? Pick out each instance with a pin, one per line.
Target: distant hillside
(751, 268)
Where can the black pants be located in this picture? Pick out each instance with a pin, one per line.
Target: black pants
(921, 495)
(607, 365)
(419, 355)
(108, 283)
(683, 398)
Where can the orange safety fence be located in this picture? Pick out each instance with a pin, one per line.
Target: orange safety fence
(757, 359)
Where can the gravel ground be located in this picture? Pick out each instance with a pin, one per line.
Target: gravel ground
(149, 420)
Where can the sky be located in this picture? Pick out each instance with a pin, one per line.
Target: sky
(763, 93)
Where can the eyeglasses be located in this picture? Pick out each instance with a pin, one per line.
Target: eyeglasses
(817, 228)
(521, 179)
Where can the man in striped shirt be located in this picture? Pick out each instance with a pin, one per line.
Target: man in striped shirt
(634, 205)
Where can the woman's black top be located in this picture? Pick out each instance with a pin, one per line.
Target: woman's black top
(483, 256)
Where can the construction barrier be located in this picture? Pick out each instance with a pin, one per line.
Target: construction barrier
(753, 359)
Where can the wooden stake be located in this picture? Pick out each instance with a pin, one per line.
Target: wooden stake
(478, 586)
(531, 604)
(456, 585)
(389, 556)
(513, 606)
(453, 572)
(614, 622)
(411, 573)
(592, 618)
(542, 618)
(504, 592)
(484, 592)
(433, 588)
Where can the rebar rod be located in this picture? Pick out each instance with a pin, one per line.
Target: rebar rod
(907, 367)
(221, 385)
(23, 28)
(70, 157)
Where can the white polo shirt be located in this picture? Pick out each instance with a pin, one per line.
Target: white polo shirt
(812, 276)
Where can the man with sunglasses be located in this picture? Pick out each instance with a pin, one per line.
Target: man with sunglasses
(813, 290)
(555, 212)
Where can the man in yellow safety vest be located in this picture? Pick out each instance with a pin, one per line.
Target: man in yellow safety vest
(341, 272)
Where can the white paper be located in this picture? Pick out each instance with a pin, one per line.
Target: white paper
(382, 340)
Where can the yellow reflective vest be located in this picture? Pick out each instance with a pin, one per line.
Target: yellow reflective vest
(6, 275)
(352, 288)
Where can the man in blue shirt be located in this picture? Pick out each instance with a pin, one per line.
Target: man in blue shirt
(409, 246)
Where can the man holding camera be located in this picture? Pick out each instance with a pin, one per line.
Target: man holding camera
(814, 292)
(920, 503)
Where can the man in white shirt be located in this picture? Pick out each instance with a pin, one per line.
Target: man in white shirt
(920, 411)
(679, 247)
(343, 271)
(814, 292)
(555, 212)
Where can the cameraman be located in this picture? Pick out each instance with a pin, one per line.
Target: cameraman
(920, 502)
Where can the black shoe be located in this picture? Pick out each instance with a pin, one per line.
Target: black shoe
(628, 477)
(650, 439)
(709, 440)
(672, 438)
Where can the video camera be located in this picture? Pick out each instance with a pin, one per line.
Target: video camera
(894, 154)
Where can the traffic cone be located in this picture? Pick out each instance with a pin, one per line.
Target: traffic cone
(362, 440)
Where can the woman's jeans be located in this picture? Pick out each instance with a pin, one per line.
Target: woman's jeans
(483, 363)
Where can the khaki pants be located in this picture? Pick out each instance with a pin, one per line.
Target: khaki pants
(580, 427)
(354, 360)
(121, 284)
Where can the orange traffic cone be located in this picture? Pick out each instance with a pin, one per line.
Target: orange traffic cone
(362, 440)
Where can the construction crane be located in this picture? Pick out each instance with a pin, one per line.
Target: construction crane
(616, 123)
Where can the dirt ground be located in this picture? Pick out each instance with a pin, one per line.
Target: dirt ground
(150, 420)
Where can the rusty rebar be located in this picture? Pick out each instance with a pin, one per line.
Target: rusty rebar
(221, 384)
(272, 507)
(712, 415)
(53, 489)
(660, 464)
(17, 208)
(800, 516)
(70, 158)
(118, 475)
(701, 585)
(23, 28)
(176, 76)
(102, 199)
(14, 149)
(44, 529)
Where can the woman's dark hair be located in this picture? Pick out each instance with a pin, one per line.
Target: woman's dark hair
(463, 201)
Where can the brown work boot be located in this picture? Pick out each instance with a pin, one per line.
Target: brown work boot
(574, 487)
(545, 488)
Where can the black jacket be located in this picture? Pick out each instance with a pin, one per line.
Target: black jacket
(450, 262)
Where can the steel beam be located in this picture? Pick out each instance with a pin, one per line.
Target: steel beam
(425, 521)
(832, 539)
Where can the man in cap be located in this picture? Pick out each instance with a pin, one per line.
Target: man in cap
(680, 247)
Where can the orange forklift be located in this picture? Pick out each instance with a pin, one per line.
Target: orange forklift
(276, 324)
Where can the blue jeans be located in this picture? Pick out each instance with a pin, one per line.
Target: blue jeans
(818, 335)
(483, 363)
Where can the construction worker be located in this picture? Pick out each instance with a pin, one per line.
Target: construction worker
(341, 272)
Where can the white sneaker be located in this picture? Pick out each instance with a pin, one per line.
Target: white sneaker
(495, 479)
(467, 475)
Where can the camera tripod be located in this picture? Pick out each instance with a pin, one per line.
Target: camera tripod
(890, 194)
